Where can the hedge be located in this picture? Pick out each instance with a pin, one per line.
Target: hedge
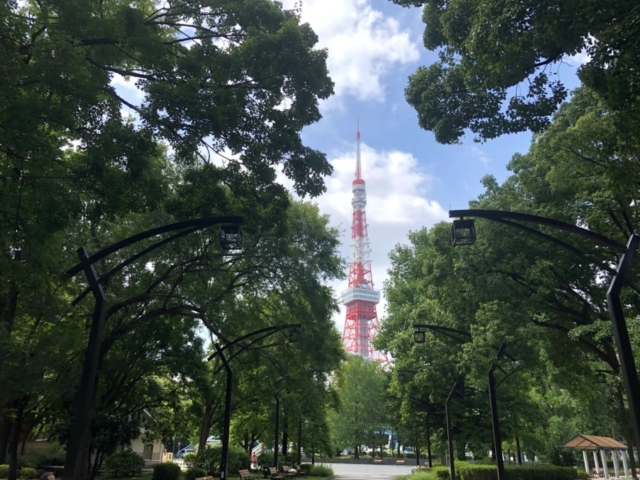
(465, 471)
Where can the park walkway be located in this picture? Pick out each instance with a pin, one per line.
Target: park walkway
(352, 471)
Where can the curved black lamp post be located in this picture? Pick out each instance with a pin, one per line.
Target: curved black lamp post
(262, 333)
(231, 238)
(463, 233)
(419, 337)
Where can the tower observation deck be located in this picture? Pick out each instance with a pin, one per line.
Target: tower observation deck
(360, 298)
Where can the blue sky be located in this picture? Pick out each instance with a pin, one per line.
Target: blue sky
(412, 181)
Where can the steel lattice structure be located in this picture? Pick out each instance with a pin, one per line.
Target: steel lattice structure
(360, 298)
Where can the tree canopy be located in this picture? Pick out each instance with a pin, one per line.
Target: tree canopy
(499, 68)
(544, 301)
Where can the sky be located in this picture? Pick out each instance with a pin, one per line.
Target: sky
(411, 180)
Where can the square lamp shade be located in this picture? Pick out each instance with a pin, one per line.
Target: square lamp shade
(231, 237)
(463, 232)
(419, 336)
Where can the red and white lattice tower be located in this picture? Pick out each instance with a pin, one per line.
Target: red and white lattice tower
(361, 324)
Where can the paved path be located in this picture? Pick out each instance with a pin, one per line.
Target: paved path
(352, 471)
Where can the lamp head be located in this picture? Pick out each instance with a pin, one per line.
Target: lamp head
(231, 237)
(463, 232)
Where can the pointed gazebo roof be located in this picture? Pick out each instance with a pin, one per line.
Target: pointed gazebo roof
(593, 442)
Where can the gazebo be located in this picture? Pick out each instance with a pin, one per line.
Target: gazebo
(601, 444)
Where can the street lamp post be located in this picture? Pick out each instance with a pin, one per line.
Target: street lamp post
(495, 422)
(428, 440)
(220, 352)
(452, 468)
(77, 455)
(275, 438)
(619, 278)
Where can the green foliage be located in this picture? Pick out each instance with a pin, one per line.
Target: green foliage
(320, 471)
(487, 50)
(190, 460)
(541, 472)
(264, 459)
(442, 473)
(30, 460)
(465, 471)
(4, 471)
(362, 405)
(75, 171)
(123, 464)
(422, 475)
(28, 473)
(166, 471)
(195, 472)
(209, 459)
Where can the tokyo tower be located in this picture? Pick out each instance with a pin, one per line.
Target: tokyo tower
(361, 324)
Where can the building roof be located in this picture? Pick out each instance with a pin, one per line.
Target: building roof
(593, 442)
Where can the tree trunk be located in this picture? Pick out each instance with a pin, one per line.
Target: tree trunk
(518, 451)
(5, 434)
(285, 440)
(9, 307)
(15, 440)
(205, 426)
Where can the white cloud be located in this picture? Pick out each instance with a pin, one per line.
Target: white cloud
(480, 155)
(363, 44)
(397, 203)
(579, 59)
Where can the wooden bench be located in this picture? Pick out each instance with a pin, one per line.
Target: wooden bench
(377, 460)
(289, 473)
(301, 471)
(245, 475)
(275, 474)
(400, 462)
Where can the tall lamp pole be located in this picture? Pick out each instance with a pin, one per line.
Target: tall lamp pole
(220, 352)
(452, 467)
(77, 456)
(495, 422)
(463, 233)
(275, 438)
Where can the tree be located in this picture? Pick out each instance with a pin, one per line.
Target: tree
(498, 67)
(360, 414)
(544, 301)
(239, 79)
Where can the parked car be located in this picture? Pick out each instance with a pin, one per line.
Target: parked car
(182, 452)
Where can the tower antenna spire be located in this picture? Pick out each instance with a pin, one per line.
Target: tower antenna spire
(360, 298)
(358, 150)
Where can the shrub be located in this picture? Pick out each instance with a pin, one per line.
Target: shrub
(422, 475)
(195, 472)
(542, 472)
(477, 472)
(28, 473)
(190, 460)
(465, 471)
(320, 471)
(124, 464)
(442, 473)
(209, 460)
(264, 459)
(166, 471)
(4, 471)
(31, 460)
